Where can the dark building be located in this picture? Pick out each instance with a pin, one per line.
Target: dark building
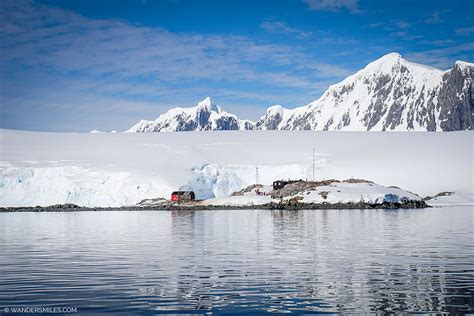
(279, 184)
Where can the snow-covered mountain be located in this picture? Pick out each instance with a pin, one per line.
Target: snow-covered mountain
(205, 116)
(390, 93)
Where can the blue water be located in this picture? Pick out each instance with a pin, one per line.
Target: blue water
(251, 261)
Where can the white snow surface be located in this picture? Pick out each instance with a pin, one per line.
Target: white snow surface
(355, 192)
(122, 169)
(456, 199)
(247, 199)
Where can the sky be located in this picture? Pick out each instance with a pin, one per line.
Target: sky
(74, 66)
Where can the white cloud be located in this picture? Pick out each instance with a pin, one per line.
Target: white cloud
(68, 70)
(340, 41)
(402, 24)
(43, 37)
(406, 36)
(434, 17)
(443, 57)
(279, 27)
(464, 31)
(438, 42)
(331, 71)
(374, 25)
(333, 5)
(399, 34)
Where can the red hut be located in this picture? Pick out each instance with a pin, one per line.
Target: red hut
(182, 196)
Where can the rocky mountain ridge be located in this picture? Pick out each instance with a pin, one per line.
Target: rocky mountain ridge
(389, 94)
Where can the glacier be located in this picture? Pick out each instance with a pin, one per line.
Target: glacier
(40, 186)
(104, 169)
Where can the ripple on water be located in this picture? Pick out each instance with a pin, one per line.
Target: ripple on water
(245, 261)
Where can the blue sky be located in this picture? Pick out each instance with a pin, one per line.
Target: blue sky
(74, 65)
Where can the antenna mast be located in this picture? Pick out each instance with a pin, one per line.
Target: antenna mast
(256, 174)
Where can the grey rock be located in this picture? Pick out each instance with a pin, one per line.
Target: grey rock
(456, 99)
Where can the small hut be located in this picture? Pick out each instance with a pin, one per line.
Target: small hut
(182, 196)
(279, 184)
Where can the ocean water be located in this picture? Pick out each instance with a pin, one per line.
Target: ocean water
(244, 261)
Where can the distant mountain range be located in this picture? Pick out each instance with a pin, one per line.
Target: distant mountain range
(205, 116)
(389, 94)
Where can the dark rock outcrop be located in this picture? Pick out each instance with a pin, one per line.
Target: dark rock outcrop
(456, 99)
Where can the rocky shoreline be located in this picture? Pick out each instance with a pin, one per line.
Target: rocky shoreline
(197, 207)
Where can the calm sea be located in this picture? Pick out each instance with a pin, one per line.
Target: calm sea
(250, 261)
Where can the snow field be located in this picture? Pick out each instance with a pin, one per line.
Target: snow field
(122, 169)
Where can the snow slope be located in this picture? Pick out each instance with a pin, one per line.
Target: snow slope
(246, 199)
(338, 192)
(355, 192)
(124, 168)
(458, 198)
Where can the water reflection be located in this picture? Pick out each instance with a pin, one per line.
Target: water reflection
(228, 261)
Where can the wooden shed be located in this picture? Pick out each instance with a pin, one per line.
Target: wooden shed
(277, 185)
(182, 196)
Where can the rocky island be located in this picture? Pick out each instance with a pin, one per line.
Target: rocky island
(295, 195)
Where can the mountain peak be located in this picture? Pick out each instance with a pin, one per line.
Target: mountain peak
(393, 61)
(384, 64)
(463, 64)
(275, 108)
(388, 59)
(392, 56)
(208, 105)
